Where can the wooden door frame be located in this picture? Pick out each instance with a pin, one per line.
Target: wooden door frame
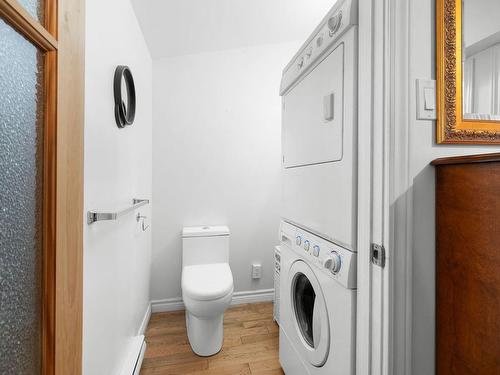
(70, 216)
(61, 39)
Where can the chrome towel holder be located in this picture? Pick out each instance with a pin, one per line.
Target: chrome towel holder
(93, 216)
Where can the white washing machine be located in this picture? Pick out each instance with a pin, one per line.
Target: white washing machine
(317, 305)
(319, 130)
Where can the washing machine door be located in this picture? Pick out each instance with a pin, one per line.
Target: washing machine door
(310, 314)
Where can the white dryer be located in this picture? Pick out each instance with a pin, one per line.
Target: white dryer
(317, 305)
(319, 130)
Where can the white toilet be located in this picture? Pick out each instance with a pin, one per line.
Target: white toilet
(207, 285)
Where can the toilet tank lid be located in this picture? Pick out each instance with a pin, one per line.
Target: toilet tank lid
(205, 231)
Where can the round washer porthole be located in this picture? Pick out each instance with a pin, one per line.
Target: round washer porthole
(125, 101)
(310, 314)
(304, 298)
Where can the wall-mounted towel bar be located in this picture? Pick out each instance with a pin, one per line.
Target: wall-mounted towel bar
(93, 216)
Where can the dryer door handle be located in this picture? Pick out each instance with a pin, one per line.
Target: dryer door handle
(329, 107)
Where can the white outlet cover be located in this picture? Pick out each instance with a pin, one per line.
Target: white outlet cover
(256, 271)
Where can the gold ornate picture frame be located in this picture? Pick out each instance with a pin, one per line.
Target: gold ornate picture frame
(452, 127)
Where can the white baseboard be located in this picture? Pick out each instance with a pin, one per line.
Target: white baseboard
(168, 304)
(145, 321)
(252, 296)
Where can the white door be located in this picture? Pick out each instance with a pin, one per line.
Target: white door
(310, 314)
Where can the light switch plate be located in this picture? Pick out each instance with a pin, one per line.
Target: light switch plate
(426, 99)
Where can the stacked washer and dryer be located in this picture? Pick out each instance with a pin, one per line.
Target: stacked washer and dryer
(317, 307)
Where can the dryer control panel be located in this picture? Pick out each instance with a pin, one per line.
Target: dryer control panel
(337, 262)
(341, 17)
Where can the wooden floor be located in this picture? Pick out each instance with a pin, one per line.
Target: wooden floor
(250, 345)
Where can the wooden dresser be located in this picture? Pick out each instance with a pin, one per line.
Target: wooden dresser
(468, 265)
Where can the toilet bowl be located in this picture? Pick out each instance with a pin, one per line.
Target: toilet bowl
(207, 286)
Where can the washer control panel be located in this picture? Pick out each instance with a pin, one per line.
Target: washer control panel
(334, 260)
(343, 15)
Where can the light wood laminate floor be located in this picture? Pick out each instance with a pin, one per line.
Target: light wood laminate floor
(250, 344)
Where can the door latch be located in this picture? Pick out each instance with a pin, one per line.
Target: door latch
(378, 255)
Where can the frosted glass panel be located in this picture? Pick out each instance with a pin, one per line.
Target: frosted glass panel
(21, 126)
(36, 8)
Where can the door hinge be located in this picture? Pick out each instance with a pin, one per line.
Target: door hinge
(378, 255)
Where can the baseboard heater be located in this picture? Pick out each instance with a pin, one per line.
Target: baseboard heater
(136, 356)
(140, 358)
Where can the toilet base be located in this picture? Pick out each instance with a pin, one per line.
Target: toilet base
(205, 335)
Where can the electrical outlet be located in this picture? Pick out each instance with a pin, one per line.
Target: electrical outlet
(256, 271)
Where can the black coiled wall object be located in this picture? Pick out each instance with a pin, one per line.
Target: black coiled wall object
(124, 113)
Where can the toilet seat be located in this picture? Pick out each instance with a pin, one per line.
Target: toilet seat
(207, 282)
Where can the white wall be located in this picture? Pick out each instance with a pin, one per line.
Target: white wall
(173, 28)
(480, 20)
(423, 150)
(117, 255)
(216, 157)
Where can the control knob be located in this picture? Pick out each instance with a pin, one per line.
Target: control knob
(300, 64)
(334, 23)
(298, 240)
(309, 52)
(316, 251)
(319, 40)
(333, 262)
(307, 244)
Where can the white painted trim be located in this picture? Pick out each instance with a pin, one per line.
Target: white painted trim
(374, 325)
(251, 296)
(167, 304)
(401, 193)
(365, 123)
(145, 320)
(386, 275)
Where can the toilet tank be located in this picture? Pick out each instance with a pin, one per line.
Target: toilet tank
(205, 245)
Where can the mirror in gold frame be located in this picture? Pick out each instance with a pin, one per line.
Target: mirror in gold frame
(468, 71)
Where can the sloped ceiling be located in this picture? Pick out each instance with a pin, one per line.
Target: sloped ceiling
(181, 27)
